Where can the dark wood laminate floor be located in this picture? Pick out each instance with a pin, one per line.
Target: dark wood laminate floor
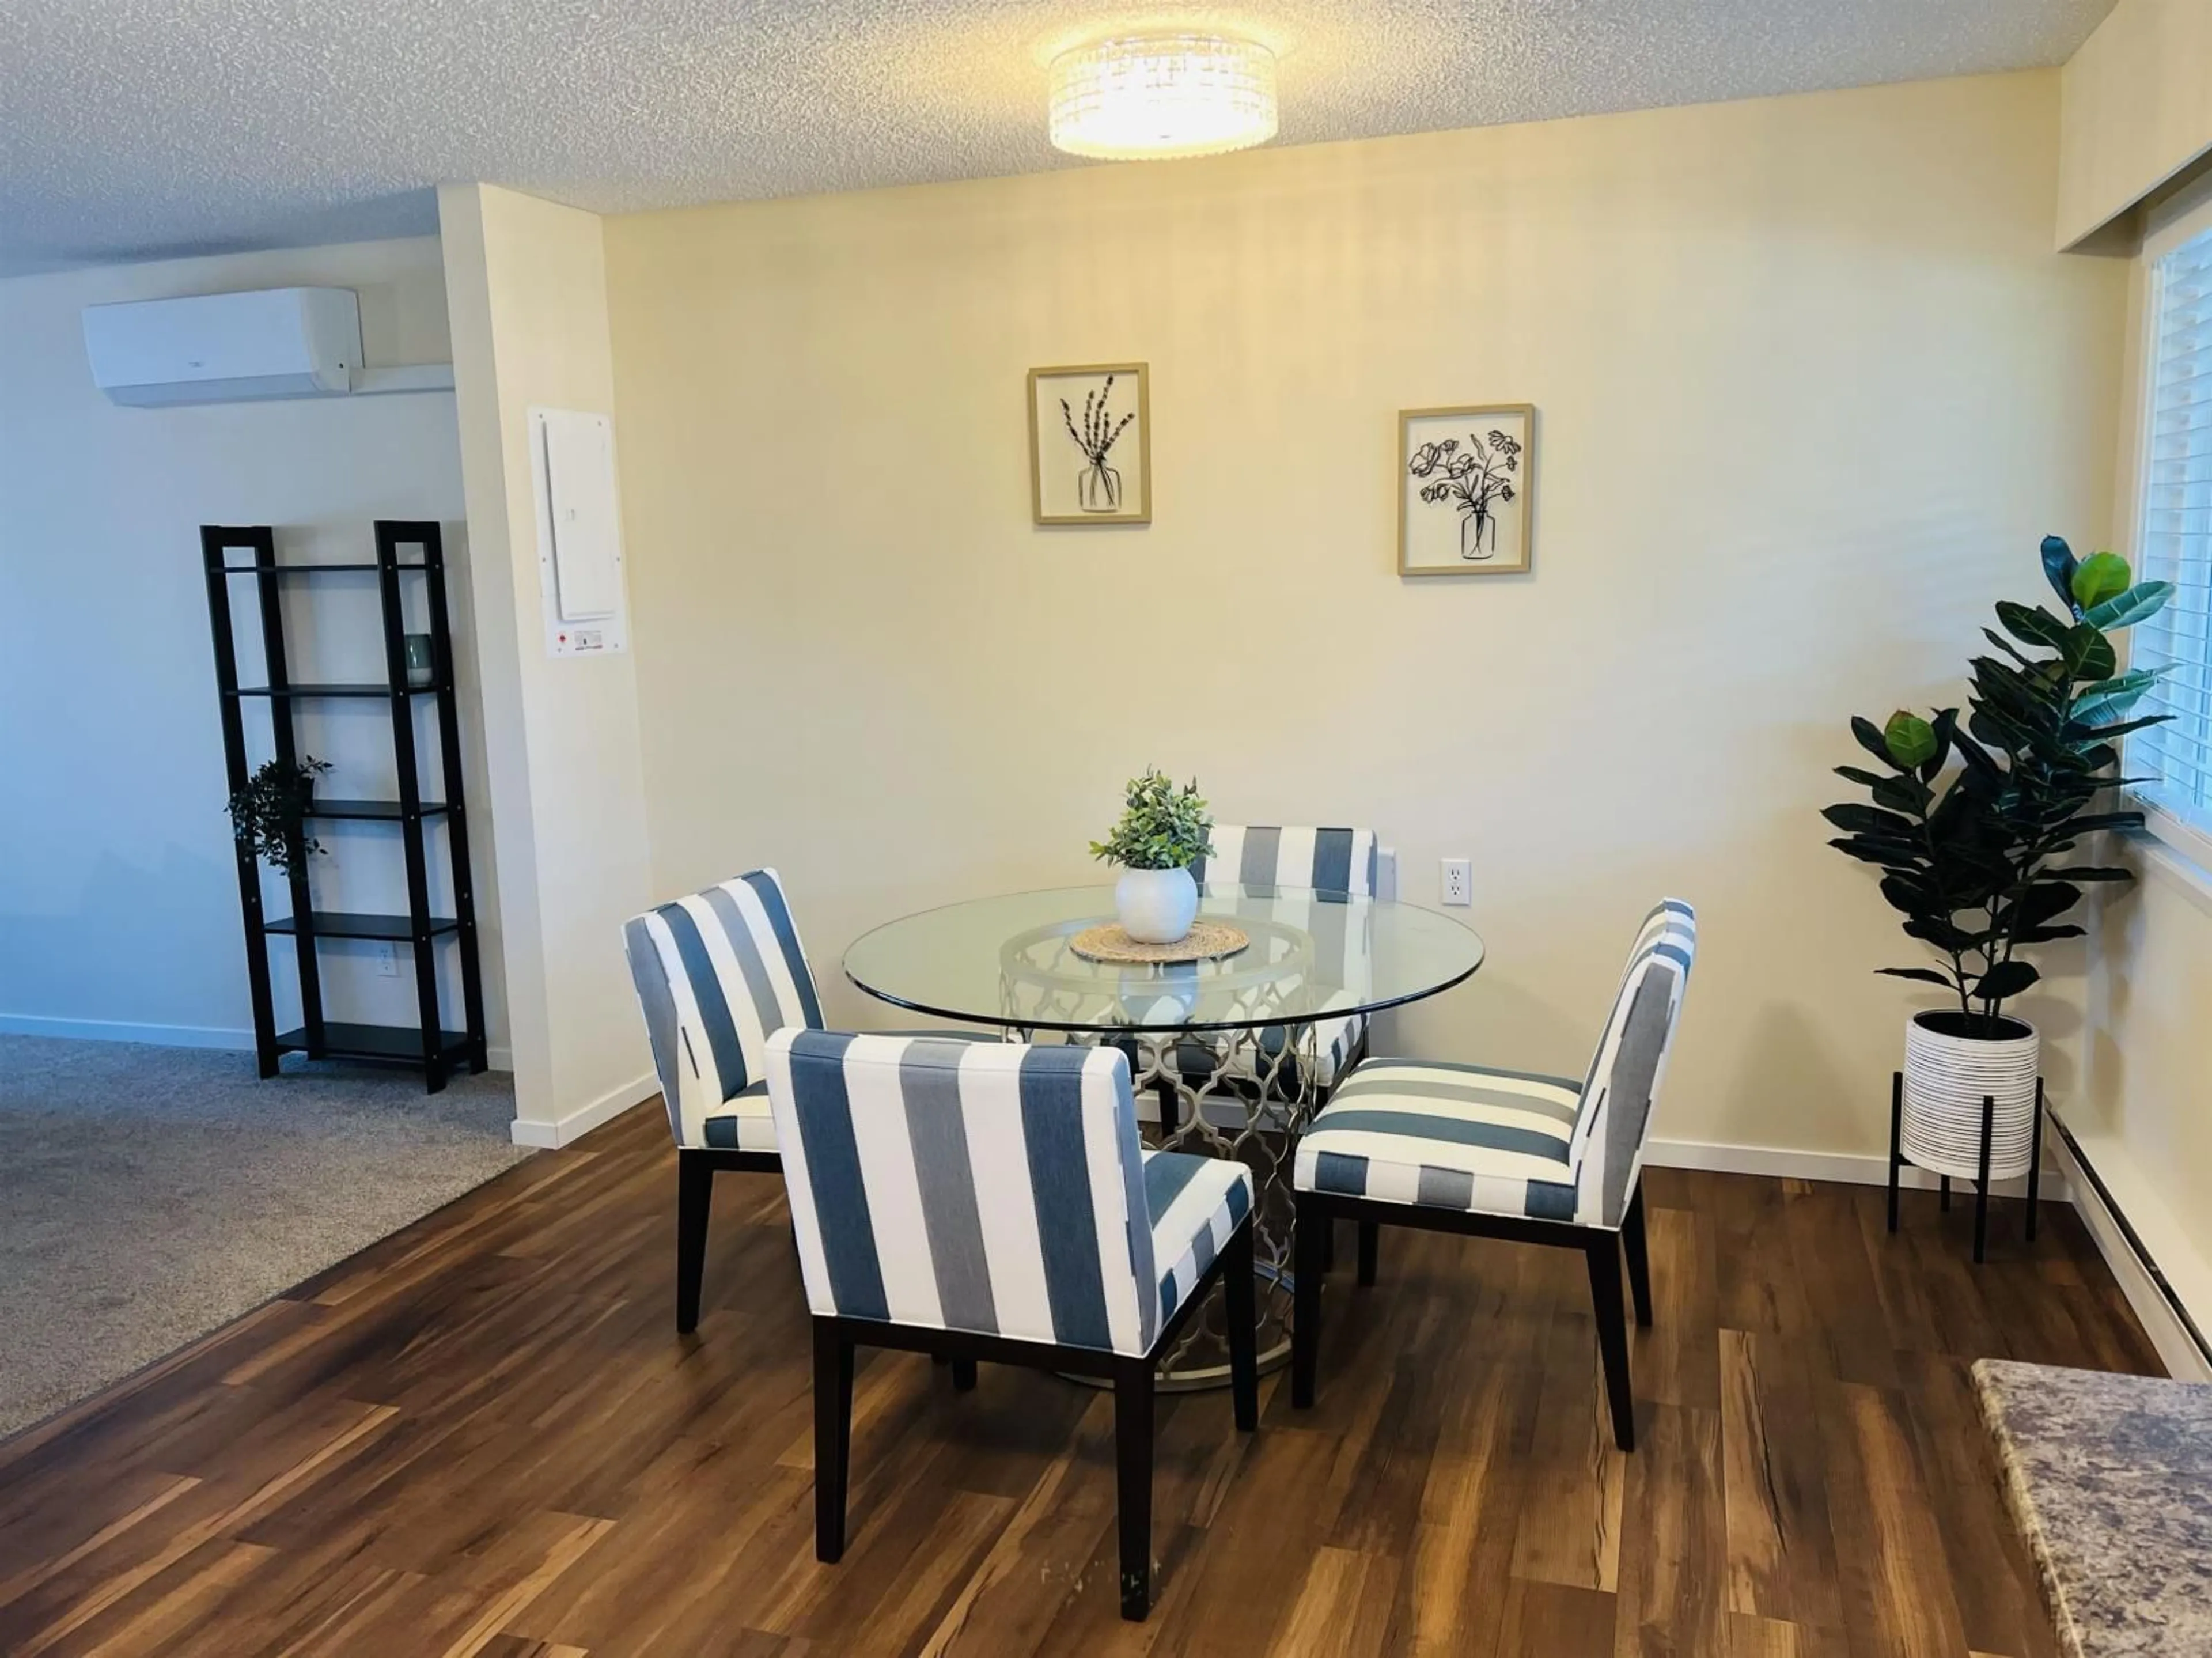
(483, 1437)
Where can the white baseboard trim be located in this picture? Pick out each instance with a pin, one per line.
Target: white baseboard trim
(166, 1036)
(2146, 1290)
(566, 1131)
(1852, 1168)
(116, 1031)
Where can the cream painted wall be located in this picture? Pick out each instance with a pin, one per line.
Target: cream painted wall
(118, 893)
(1811, 384)
(527, 286)
(2144, 1109)
(2137, 110)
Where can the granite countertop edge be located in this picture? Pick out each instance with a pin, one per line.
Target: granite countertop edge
(2013, 1483)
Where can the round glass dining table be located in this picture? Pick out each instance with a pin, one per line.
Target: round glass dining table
(1236, 1051)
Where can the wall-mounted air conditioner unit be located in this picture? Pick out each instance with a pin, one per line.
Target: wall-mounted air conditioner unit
(231, 348)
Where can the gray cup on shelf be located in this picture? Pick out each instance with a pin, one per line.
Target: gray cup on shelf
(422, 662)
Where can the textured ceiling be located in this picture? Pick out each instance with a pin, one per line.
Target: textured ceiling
(138, 128)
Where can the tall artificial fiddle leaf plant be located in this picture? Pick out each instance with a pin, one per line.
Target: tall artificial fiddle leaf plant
(1971, 857)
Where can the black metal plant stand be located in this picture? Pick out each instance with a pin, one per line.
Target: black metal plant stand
(427, 1043)
(1898, 1160)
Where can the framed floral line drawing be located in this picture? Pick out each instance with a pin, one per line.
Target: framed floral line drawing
(1466, 481)
(1090, 443)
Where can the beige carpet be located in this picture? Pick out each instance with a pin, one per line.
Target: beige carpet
(149, 1194)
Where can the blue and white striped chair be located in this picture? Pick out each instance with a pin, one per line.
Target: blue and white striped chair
(1269, 855)
(1332, 864)
(717, 974)
(977, 1200)
(1463, 1148)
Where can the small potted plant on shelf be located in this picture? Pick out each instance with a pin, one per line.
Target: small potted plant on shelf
(1973, 856)
(1163, 832)
(268, 816)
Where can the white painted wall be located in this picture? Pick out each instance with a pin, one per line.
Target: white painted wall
(527, 283)
(118, 895)
(1812, 385)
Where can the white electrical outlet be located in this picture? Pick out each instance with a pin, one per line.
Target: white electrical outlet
(1459, 881)
(387, 961)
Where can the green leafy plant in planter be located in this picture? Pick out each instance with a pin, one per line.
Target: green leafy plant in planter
(1973, 822)
(1972, 861)
(1161, 827)
(268, 816)
(1163, 832)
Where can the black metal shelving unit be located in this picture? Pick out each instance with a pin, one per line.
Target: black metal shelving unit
(426, 1044)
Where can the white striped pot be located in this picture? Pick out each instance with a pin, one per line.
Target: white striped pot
(1946, 1080)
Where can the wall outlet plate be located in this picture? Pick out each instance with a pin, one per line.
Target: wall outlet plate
(387, 961)
(1458, 883)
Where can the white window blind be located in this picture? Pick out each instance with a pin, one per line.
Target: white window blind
(2176, 542)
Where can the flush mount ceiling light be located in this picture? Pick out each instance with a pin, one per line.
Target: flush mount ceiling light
(1156, 97)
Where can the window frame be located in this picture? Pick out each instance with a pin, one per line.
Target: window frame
(2168, 226)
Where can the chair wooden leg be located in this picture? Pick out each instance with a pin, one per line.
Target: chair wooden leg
(1133, 1459)
(1638, 1248)
(1370, 1248)
(1313, 1226)
(963, 1375)
(695, 1194)
(833, 1435)
(1240, 1304)
(1602, 1251)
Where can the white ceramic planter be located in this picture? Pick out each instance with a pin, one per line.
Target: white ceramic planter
(1946, 1080)
(1156, 905)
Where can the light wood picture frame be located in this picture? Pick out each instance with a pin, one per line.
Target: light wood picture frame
(1466, 492)
(1090, 443)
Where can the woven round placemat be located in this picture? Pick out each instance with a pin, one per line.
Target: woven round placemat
(1206, 941)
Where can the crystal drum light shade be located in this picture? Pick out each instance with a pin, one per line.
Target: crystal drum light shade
(1163, 96)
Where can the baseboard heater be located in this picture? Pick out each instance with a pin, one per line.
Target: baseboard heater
(2138, 1253)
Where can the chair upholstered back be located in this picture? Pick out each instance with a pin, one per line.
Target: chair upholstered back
(717, 974)
(1259, 854)
(988, 1186)
(1614, 1116)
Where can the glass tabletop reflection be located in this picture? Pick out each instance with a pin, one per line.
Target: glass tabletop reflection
(1008, 961)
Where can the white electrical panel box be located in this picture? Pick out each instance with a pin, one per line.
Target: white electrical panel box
(579, 558)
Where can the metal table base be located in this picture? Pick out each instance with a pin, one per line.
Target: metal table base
(1246, 1094)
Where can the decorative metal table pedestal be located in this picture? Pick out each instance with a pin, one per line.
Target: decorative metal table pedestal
(1230, 1048)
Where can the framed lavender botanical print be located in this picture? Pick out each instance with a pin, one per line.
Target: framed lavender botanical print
(1090, 443)
(1466, 482)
